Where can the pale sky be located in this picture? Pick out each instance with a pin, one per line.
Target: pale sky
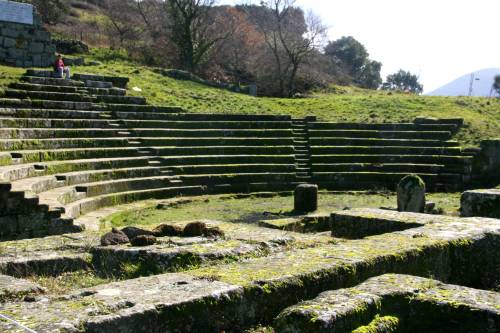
(439, 40)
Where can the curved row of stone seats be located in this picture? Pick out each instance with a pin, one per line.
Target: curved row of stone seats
(117, 81)
(66, 89)
(74, 157)
(49, 81)
(355, 155)
(74, 97)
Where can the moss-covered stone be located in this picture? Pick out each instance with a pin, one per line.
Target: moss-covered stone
(418, 304)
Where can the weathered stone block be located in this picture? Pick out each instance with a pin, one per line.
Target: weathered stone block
(8, 226)
(50, 49)
(32, 222)
(9, 42)
(411, 194)
(484, 203)
(36, 48)
(42, 35)
(37, 60)
(10, 32)
(488, 162)
(306, 198)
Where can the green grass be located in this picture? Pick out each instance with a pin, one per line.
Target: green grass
(341, 104)
(253, 209)
(70, 281)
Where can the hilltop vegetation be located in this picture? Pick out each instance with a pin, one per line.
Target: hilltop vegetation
(339, 104)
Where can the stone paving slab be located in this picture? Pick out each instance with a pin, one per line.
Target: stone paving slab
(419, 303)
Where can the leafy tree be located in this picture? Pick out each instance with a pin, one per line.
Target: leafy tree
(369, 75)
(496, 84)
(349, 52)
(352, 58)
(403, 81)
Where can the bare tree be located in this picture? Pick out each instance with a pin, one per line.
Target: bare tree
(291, 38)
(122, 21)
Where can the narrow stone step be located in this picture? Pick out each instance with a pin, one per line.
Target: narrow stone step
(117, 81)
(98, 84)
(45, 87)
(387, 167)
(381, 142)
(382, 127)
(388, 150)
(382, 134)
(52, 81)
(391, 158)
(85, 206)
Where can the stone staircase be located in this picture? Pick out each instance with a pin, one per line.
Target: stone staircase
(302, 149)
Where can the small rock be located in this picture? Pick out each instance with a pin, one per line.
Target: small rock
(213, 232)
(30, 298)
(429, 207)
(114, 237)
(194, 229)
(411, 194)
(167, 230)
(133, 232)
(143, 240)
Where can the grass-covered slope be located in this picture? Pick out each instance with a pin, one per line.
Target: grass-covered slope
(343, 104)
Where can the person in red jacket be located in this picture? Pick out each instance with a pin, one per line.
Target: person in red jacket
(60, 69)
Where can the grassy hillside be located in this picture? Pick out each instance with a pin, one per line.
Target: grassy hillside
(342, 104)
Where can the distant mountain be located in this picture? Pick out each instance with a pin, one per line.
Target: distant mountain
(483, 80)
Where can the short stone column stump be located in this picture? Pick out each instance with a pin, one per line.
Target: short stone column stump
(306, 198)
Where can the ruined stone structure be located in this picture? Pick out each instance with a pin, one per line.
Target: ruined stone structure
(69, 149)
(489, 160)
(25, 44)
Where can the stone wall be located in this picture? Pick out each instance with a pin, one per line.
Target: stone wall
(23, 45)
(488, 162)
